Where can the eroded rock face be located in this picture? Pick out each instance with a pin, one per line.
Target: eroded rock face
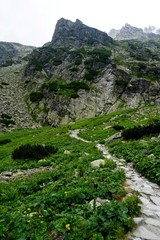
(115, 88)
(76, 34)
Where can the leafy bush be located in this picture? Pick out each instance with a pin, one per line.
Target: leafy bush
(117, 127)
(121, 83)
(101, 54)
(5, 116)
(36, 96)
(7, 121)
(139, 131)
(7, 63)
(56, 61)
(67, 89)
(33, 151)
(74, 69)
(90, 74)
(5, 141)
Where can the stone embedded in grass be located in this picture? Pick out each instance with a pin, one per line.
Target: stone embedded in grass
(98, 202)
(98, 163)
(67, 152)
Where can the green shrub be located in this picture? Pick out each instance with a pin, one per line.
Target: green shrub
(75, 85)
(7, 63)
(60, 87)
(139, 131)
(74, 69)
(36, 152)
(35, 96)
(56, 62)
(90, 74)
(5, 141)
(7, 121)
(117, 127)
(121, 83)
(5, 116)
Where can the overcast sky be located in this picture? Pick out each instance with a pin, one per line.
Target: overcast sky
(32, 22)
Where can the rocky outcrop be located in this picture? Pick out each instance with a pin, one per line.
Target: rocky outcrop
(13, 52)
(129, 32)
(76, 34)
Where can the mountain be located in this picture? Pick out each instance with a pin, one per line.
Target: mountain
(129, 32)
(80, 73)
(83, 73)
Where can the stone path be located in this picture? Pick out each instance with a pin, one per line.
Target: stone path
(148, 224)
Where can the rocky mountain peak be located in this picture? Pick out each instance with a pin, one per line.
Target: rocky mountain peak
(130, 32)
(76, 34)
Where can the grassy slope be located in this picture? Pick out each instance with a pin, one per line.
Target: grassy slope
(54, 204)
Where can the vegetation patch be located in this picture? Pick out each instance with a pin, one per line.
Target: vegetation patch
(117, 127)
(142, 130)
(4, 141)
(90, 74)
(60, 87)
(56, 204)
(35, 96)
(36, 152)
(6, 120)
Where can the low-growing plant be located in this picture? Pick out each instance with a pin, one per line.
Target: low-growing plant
(139, 131)
(4, 115)
(7, 122)
(33, 151)
(90, 74)
(36, 96)
(4, 141)
(117, 127)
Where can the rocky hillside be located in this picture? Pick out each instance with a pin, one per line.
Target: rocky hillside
(82, 73)
(130, 32)
(11, 53)
(13, 109)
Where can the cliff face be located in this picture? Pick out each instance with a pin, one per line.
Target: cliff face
(83, 73)
(76, 34)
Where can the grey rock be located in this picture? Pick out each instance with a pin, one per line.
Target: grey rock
(98, 202)
(98, 163)
(144, 233)
(115, 136)
(138, 220)
(151, 221)
(67, 152)
(156, 200)
(7, 174)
